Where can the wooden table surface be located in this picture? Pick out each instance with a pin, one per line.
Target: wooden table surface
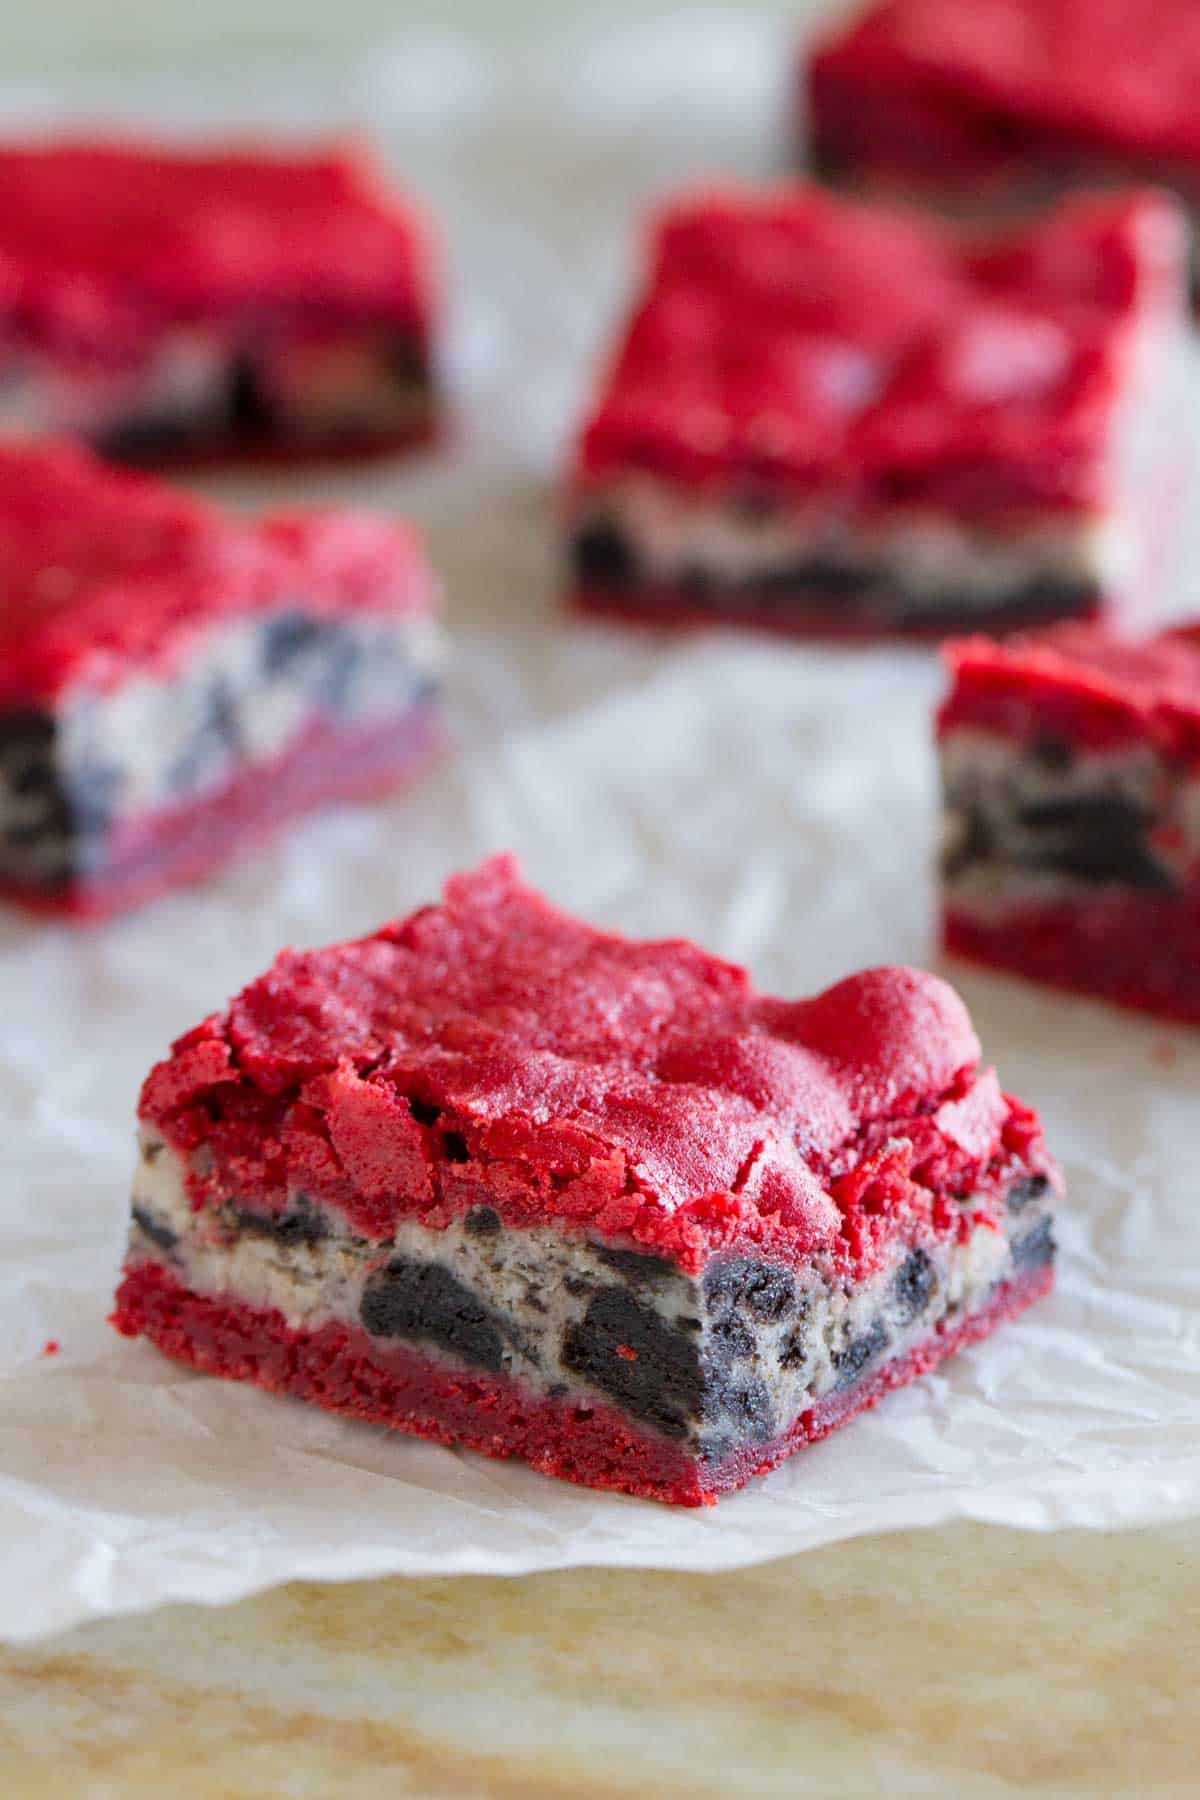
(968, 1662)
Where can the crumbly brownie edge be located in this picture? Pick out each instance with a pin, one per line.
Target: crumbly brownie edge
(74, 782)
(593, 1444)
(191, 401)
(714, 1364)
(1048, 818)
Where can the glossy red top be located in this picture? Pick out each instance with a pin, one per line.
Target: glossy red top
(1081, 682)
(1116, 75)
(104, 572)
(798, 346)
(495, 1049)
(101, 241)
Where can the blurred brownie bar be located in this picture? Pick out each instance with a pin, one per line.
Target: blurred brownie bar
(1071, 781)
(175, 683)
(498, 1178)
(163, 303)
(1001, 104)
(831, 417)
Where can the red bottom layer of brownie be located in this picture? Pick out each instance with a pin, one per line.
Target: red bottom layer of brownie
(340, 1368)
(816, 617)
(1138, 950)
(183, 844)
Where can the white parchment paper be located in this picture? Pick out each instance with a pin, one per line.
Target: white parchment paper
(775, 802)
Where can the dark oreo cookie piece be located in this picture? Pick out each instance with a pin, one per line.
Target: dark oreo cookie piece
(860, 1351)
(602, 556)
(742, 1405)
(1025, 1190)
(482, 1221)
(1036, 1248)
(913, 1287)
(159, 1234)
(635, 1267)
(287, 639)
(300, 1224)
(765, 1291)
(632, 1355)
(423, 1300)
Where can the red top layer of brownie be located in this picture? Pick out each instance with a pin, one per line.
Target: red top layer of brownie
(101, 241)
(796, 346)
(1107, 75)
(1082, 683)
(495, 1050)
(103, 572)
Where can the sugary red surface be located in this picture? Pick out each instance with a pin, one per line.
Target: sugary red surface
(342, 1369)
(795, 345)
(1082, 683)
(102, 242)
(635, 1089)
(1138, 950)
(104, 572)
(152, 853)
(994, 78)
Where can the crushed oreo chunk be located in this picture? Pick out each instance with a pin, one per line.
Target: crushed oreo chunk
(859, 1352)
(631, 1354)
(423, 1300)
(765, 1291)
(160, 1234)
(913, 1287)
(635, 1266)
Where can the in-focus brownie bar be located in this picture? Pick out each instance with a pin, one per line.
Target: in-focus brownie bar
(174, 683)
(831, 417)
(165, 303)
(495, 1177)
(1071, 780)
(1002, 104)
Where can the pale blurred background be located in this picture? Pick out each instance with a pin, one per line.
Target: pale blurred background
(108, 35)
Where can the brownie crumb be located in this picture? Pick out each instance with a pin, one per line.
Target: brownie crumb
(483, 1221)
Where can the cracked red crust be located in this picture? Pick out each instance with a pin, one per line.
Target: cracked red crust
(105, 242)
(492, 1049)
(105, 572)
(795, 345)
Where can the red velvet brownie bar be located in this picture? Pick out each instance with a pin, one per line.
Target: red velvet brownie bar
(163, 303)
(174, 683)
(825, 416)
(1003, 103)
(1071, 779)
(495, 1177)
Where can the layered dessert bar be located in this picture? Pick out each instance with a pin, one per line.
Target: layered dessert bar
(1071, 779)
(163, 303)
(494, 1177)
(1000, 104)
(830, 417)
(175, 683)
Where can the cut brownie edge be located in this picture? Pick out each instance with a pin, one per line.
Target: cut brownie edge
(340, 1369)
(719, 1365)
(181, 845)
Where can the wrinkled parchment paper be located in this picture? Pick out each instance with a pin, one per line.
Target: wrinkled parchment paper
(775, 802)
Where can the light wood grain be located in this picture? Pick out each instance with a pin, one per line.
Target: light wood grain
(968, 1662)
